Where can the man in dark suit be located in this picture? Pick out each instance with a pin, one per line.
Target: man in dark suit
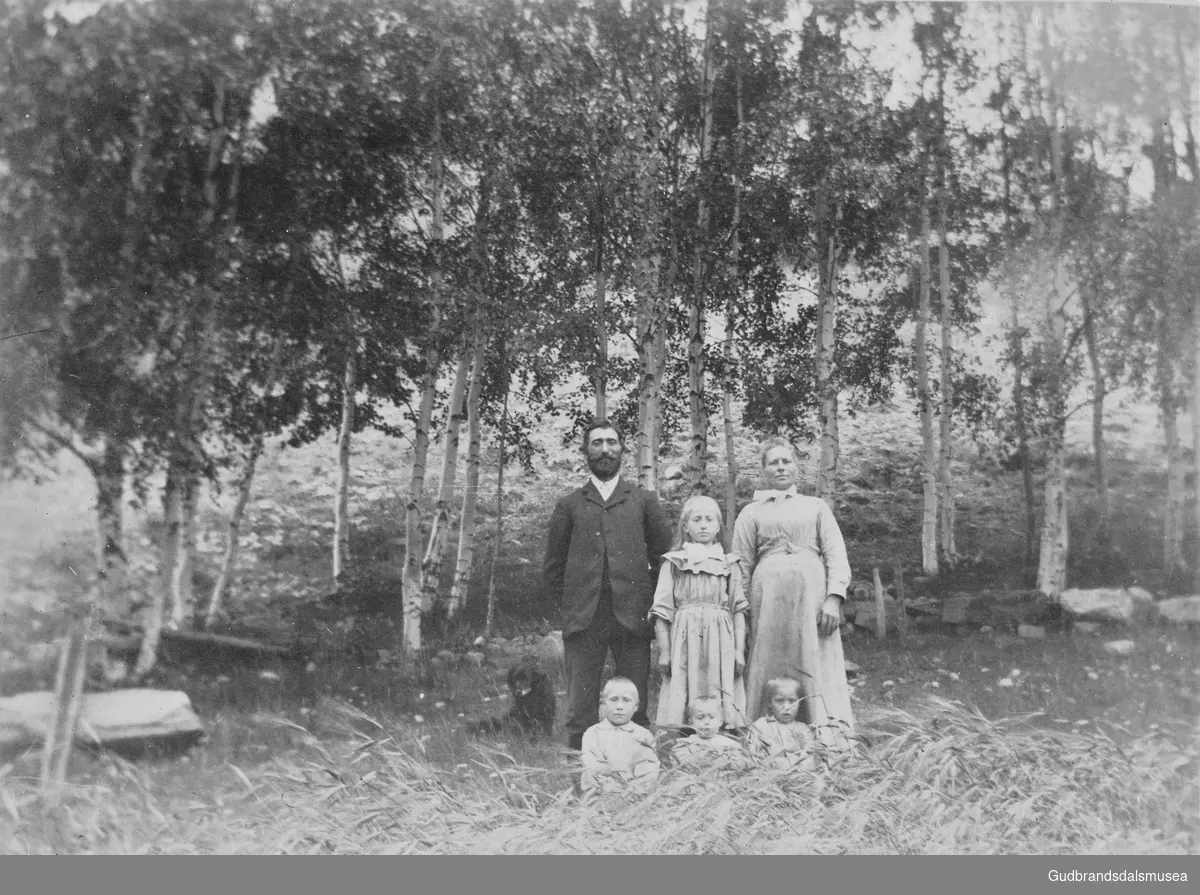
(602, 556)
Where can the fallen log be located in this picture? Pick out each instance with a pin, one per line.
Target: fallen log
(185, 645)
(130, 720)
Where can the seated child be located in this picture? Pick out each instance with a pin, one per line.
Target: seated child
(778, 739)
(617, 752)
(707, 746)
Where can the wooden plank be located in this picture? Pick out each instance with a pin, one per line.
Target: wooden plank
(880, 606)
(68, 700)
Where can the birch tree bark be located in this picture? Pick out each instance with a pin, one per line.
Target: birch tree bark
(341, 509)
(827, 388)
(731, 290)
(466, 523)
(1052, 559)
(601, 300)
(110, 494)
(1168, 408)
(411, 581)
(490, 623)
(697, 411)
(946, 410)
(1099, 393)
(1196, 433)
(245, 485)
(929, 486)
(439, 533)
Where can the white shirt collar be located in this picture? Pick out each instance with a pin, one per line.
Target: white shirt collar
(774, 494)
(606, 489)
(697, 552)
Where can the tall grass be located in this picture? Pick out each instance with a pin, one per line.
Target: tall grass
(935, 780)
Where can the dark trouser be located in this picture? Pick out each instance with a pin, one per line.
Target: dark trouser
(585, 652)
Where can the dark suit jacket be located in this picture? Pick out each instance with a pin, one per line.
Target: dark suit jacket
(631, 529)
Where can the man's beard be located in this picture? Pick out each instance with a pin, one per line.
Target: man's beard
(604, 468)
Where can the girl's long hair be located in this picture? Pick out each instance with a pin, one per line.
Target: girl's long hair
(686, 511)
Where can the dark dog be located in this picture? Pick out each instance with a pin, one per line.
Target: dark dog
(534, 704)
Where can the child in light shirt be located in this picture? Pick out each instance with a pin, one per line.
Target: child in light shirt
(707, 747)
(616, 752)
(778, 739)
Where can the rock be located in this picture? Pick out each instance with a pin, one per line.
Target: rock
(866, 613)
(986, 629)
(1031, 632)
(923, 606)
(954, 610)
(1183, 610)
(120, 718)
(475, 658)
(1103, 604)
(1120, 647)
(550, 648)
(672, 474)
(447, 657)
(852, 670)
(1086, 627)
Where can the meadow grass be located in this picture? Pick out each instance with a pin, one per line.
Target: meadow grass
(934, 779)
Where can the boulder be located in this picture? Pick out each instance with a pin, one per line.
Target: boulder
(866, 613)
(1031, 632)
(672, 474)
(1120, 647)
(1104, 604)
(550, 648)
(955, 609)
(852, 670)
(130, 718)
(1183, 610)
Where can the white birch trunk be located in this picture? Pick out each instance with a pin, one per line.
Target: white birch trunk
(412, 579)
(1196, 434)
(731, 286)
(1173, 510)
(183, 595)
(341, 507)
(490, 624)
(697, 411)
(225, 577)
(946, 505)
(466, 523)
(601, 377)
(1099, 392)
(439, 533)
(826, 383)
(245, 484)
(153, 615)
(1052, 558)
(929, 514)
(110, 494)
(412, 514)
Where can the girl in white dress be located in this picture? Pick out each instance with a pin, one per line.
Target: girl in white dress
(699, 615)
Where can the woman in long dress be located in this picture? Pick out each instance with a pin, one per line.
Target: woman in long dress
(792, 552)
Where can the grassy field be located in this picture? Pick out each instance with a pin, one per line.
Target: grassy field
(977, 740)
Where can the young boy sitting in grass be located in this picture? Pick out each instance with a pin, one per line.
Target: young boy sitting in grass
(617, 752)
(708, 747)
